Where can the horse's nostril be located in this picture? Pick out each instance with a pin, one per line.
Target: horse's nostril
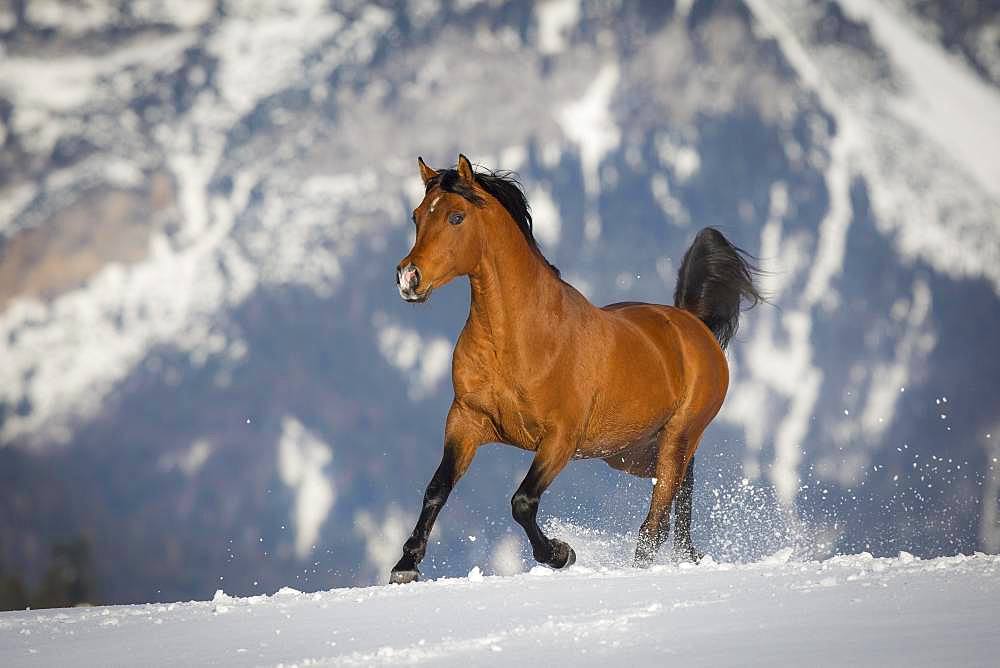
(399, 270)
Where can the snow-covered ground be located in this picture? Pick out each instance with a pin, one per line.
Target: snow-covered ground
(848, 610)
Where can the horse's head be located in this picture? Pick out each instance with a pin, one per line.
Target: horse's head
(449, 231)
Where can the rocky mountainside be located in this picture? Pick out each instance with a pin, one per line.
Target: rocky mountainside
(205, 368)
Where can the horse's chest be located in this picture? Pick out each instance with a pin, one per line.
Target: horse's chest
(517, 421)
(513, 414)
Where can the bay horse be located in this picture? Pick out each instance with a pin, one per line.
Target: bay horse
(539, 367)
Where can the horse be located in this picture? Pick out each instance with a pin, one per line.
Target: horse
(538, 367)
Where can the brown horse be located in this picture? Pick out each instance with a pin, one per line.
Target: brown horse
(539, 367)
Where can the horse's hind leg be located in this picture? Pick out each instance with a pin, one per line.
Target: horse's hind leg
(549, 460)
(671, 464)
(682, 525)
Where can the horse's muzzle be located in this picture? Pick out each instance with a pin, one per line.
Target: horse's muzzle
(408, 280)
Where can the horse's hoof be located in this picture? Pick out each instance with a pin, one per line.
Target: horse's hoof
(642, 561)
(404, 577)
(689, 553)
(563, 555)
(645, 553)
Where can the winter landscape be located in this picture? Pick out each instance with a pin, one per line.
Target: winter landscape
(210, 390)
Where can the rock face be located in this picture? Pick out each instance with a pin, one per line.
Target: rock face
(206, 370)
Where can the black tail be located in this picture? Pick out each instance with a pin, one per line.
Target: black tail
(714, 279)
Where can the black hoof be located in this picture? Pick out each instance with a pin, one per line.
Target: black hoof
(404, 577)
(563, 555)
(642, 561)
(689, 553)
(645, 553)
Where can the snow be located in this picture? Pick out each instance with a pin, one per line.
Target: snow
(683, 159)
(798, 379)
(590, 124)
(383, 538)
(302, 459)
(547, 225)
(67, 354)
(929, 118)
(506, 558)
(426, 360)
(945, 99)
(190, 461)
(922, 139)
(78, 18)
(912, 350)
(47, 91)
(779, 367)
(990, 521)
(555, 18)
(304, 228)
(260, 52)
(847, 609)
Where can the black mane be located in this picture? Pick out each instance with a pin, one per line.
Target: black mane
(503, 186)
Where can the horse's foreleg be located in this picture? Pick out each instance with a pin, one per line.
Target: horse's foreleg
(453, 465)
(460, 447)
(548, 462)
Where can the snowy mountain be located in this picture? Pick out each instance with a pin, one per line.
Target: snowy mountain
(207, 373)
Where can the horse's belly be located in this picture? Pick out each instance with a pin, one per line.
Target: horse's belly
(627, 440)
(636, 399)
(616, 437)
(638, 460)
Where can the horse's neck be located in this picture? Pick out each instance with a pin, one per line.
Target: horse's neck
(511, 289)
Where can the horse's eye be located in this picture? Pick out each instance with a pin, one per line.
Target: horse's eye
(413, 217)
(456, 218)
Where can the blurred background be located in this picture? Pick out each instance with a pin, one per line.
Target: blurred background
(208, 380)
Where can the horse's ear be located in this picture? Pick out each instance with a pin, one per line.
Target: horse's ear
(465, 170)
(426, 173)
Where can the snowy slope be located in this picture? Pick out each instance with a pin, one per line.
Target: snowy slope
(204, 363)
(849, 610)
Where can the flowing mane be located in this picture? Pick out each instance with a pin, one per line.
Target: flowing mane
(502, 185)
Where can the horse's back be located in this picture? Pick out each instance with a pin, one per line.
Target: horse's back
(661, 321)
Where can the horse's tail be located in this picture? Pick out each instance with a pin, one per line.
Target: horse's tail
(714, 279)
